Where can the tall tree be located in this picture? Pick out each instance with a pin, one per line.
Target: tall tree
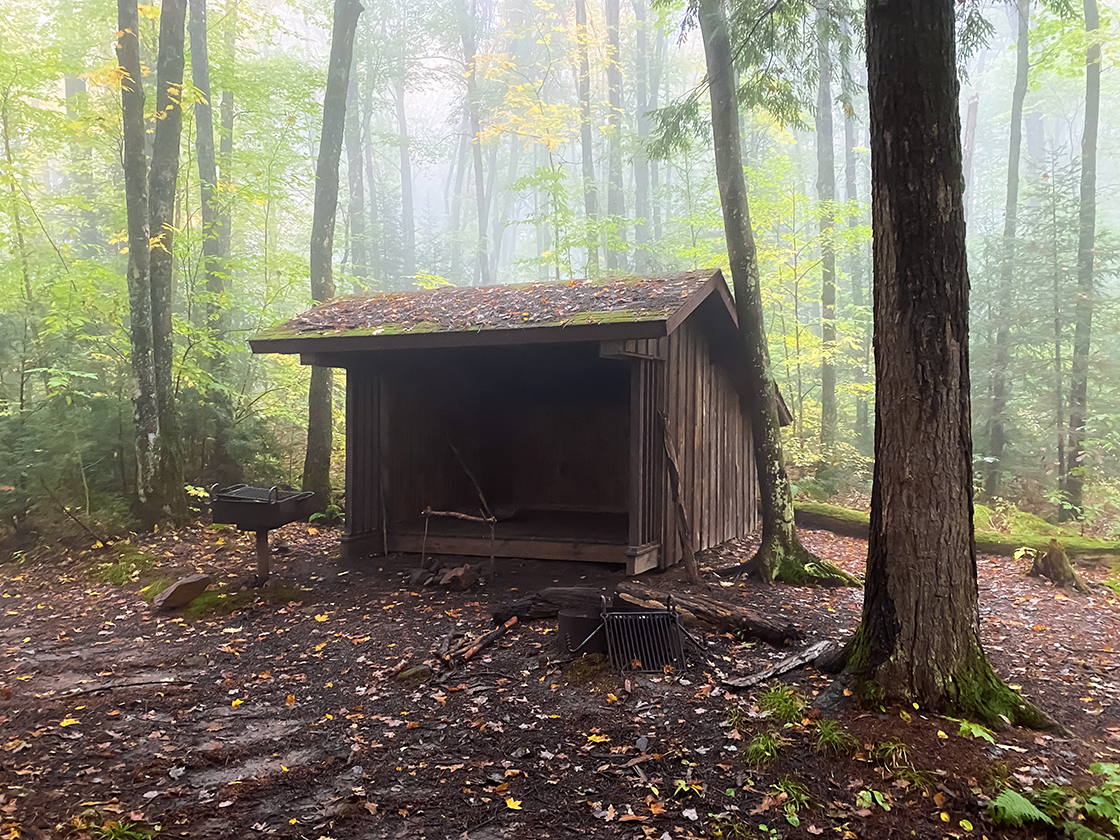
(467, 22)
(207, 162)
(642, 258)
(826, 194)
(997, 422)
(1086, 243)
(590, 189)
(317, 463)
(780, 555)
(149, 200)
(356, 209)
(616, 198)
(408, 214)
(919, 637)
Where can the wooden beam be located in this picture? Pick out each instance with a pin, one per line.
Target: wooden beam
(527, 548)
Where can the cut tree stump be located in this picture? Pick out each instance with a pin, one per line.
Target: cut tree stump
(1054, 565)
(548, 602)
(717, 614)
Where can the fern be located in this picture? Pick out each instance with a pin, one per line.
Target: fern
(1013, 809)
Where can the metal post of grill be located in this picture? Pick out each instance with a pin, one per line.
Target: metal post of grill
(643, 640)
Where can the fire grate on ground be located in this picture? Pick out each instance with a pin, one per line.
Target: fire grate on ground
(644, 640)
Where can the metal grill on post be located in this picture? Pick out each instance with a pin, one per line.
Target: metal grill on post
(644, 640)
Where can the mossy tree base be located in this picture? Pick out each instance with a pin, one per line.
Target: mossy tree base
(970, 689)
(1053, 564)
(783, 558)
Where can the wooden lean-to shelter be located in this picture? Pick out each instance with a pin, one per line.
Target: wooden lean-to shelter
(547, 398)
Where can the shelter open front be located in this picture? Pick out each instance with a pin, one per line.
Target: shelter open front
(541, 432)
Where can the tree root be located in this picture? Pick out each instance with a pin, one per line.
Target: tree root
(790, 562)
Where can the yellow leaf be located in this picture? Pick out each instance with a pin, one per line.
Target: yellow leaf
(68, 721)
(944, 817)
(598, 739)
(941, 734)
(291, 701)
(611, 698)
(237, 703)
(513, 804)
(321, 617)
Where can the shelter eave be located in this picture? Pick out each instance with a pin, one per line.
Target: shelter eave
(315, 348)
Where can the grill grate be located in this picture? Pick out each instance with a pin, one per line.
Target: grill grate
(644, 640)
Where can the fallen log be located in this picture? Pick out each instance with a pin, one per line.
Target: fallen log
(715, 614)
(853, 523)
(489, 638)
(778, 668)
(548, 602)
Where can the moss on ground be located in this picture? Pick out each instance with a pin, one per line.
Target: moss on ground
(128, 564)
(855, 523)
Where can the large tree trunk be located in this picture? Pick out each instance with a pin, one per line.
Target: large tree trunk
(780, 555)
(826, 194)
(317, 463)
(162, 181)
(590, 189)
(919, 637)
(616, 200)
(1083, 308)
(997, 422)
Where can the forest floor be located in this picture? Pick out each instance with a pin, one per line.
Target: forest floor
(274, 713)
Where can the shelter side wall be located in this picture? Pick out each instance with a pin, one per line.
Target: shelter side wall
(715, 450)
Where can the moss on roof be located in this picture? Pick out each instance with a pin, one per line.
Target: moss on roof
(452, 309)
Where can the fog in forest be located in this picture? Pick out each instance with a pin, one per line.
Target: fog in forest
(509, 141)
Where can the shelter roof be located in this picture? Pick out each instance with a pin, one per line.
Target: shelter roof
(623, 307)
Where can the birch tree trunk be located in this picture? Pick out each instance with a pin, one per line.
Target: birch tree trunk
(317, 463)
(162, 181)
(919, 637)
(146, 413)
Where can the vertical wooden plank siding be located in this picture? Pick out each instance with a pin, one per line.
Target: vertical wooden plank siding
(714, 445)
(647, 465)
(363, 463)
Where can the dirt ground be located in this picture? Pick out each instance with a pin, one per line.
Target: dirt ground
(281, 718)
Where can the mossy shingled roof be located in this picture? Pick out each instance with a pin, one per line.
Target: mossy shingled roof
(452, 309)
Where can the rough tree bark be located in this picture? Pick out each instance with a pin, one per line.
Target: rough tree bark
(590, 188)
(616, 198)
(826, 194)
(1083, 308)
(162, 180)
(146, 414)
(919, 637)
(997, 427)
(780, 555)
(317, 463)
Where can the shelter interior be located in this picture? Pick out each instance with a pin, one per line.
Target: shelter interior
(541, 431)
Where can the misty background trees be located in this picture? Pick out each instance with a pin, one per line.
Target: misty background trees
(496, 141)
